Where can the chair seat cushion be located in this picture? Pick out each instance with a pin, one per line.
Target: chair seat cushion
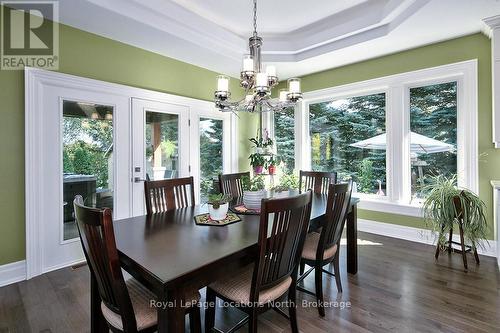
(237, 287)
(311, 246)
(145, 314)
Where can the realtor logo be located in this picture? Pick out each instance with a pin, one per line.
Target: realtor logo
(29, 36)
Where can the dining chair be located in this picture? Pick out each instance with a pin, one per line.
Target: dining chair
(166, 194)
(282, 230)
(323, 248)
(125, 304)
(318, 181)
(231, 183)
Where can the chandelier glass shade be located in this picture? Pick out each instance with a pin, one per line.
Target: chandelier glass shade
(257, 83)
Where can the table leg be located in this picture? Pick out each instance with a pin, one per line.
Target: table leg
(352, 240)
(171, 318)
(97, 322)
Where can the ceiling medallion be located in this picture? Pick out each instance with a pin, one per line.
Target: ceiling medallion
(257, 84)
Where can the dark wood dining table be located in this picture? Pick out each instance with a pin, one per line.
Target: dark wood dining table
(170, 255)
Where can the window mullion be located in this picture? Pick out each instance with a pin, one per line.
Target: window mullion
(398, 158)
(405, 152)
(302, 144)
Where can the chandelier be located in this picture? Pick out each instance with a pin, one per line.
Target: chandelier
(256, 83)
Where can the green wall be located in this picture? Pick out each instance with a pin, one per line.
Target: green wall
(90, 56)
(475, 46)
(96, 57)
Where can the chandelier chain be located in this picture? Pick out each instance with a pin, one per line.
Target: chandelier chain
(255, 18)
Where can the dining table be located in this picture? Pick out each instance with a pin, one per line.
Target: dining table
(171, 255)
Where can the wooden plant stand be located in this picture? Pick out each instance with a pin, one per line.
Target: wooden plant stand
(464, 249)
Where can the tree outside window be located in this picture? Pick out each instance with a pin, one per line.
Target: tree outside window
(284, 133)
(335, 125)
(433, 113)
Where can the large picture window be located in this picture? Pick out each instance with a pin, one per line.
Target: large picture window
(433, 126)
(344, 134)
(390, 135)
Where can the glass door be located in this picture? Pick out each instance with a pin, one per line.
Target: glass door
(88, 159)
(210, 150)
(83, 140)
(160, 145)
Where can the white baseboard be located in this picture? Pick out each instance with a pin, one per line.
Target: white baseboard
(12, 273)
(415, 235)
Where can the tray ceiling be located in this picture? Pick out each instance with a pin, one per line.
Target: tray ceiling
(300, 37)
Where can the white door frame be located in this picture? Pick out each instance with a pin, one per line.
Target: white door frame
(35, 81)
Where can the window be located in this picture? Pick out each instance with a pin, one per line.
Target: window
(211, 157)
(433, 126)
(87, 152)
(162, 151)
(390, 134)
(346, 137)
(284, 133)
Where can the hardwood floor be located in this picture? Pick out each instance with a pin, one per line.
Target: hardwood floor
(399, 288)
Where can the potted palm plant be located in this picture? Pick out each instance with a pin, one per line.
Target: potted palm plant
(253, 191)
(440, 211)
(218, 204)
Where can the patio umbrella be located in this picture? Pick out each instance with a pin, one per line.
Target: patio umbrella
(419, 144)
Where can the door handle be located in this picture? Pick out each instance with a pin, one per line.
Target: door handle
(138, 180)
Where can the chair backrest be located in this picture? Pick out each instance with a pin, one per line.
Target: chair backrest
(337, 207)
(231, 183)
(280, 241)
(166, 194)
(95, 227)
(316, 180)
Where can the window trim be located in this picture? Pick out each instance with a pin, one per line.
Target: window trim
(398, 165)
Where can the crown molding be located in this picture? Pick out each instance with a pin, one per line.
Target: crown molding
(489, 24)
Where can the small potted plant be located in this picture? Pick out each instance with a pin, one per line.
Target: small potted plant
(271, 165)
(218, 204)
(288, 182)
(253, 191)
(257, 162)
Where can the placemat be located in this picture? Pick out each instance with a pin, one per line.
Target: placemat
(204, 219)
(241, 209)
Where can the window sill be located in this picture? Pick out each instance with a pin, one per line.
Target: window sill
(384, 206)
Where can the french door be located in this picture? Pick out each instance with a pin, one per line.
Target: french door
(102, 140)
(173, 141)
(160, 145)
(83, 139)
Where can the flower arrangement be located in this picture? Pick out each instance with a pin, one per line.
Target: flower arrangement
(263, 141)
